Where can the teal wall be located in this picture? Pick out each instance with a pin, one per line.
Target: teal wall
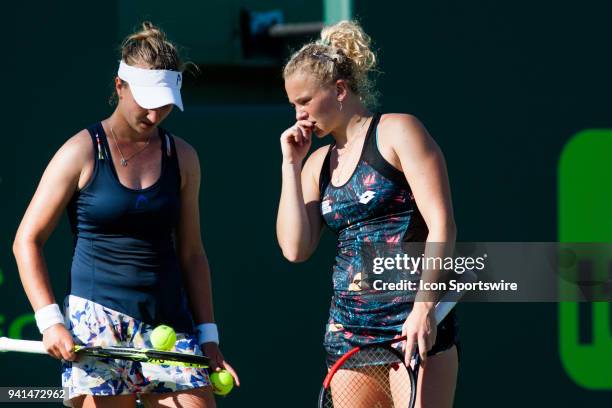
(501, 86)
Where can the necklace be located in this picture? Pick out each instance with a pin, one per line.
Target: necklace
(340, 171)
(124, 160)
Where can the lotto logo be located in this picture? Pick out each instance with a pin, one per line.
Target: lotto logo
(366, 197)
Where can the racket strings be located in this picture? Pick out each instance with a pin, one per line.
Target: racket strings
(371, 378)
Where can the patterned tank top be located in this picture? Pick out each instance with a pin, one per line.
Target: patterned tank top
(374, 207)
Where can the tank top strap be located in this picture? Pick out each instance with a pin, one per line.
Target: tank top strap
(170, 155)
(98, 138)
(371, 152)
(325, 176)
(374, 158)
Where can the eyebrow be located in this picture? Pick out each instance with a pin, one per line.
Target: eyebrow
(301, 99)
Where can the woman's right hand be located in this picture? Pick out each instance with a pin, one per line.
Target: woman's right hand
(59, 343)
(296, 141)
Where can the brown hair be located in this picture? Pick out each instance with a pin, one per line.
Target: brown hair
(343, 52)
(151, 48)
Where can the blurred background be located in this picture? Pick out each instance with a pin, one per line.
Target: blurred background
(502, 87)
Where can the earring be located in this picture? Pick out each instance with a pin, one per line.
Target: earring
(340, 109)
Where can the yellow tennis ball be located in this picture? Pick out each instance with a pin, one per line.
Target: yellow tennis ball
(163, 338)
(222, 382)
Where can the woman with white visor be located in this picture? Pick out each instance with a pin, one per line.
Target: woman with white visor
(131, 190)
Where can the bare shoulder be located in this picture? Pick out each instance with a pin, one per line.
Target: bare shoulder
(80, 144)
(73, 162)
(402, 123)
(77, 151)
(189, 163)
(402, 129)
(317, 157)
(314, 163)
(187, 154)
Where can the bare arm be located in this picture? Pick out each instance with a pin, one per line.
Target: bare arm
(191, 253)
(298, 224)
(58, 183)
(423, 164)
(192, 256)
(424, 167)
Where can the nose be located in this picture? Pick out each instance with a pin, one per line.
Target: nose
(300, 114)
(153, 116)
(158, 114)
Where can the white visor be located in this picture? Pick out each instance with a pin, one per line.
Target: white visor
(153, 88)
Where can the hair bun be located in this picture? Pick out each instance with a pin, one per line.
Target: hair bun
(349, 38)
(342, 52)
(148, 31)
(150, 47)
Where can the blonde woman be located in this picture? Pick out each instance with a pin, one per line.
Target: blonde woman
(131, 190)
(382, 179)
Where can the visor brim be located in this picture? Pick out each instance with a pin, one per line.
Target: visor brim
(153, 97)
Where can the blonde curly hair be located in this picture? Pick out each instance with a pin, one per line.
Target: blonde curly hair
(343, 52)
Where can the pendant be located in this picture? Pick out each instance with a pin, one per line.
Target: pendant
(123, 162)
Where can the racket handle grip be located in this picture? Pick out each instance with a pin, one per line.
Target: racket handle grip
(23, 346)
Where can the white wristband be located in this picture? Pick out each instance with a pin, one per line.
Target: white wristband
(207, 333)
(48, 316)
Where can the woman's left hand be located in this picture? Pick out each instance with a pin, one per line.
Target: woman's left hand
(217, 361)
(420, 330)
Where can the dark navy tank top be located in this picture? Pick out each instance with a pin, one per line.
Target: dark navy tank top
(375, 206)
(124, 253)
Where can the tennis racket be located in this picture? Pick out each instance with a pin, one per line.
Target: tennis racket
(375, 375)
(151, 356)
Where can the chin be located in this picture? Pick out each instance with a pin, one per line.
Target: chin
(320, 133)
(143, 127)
